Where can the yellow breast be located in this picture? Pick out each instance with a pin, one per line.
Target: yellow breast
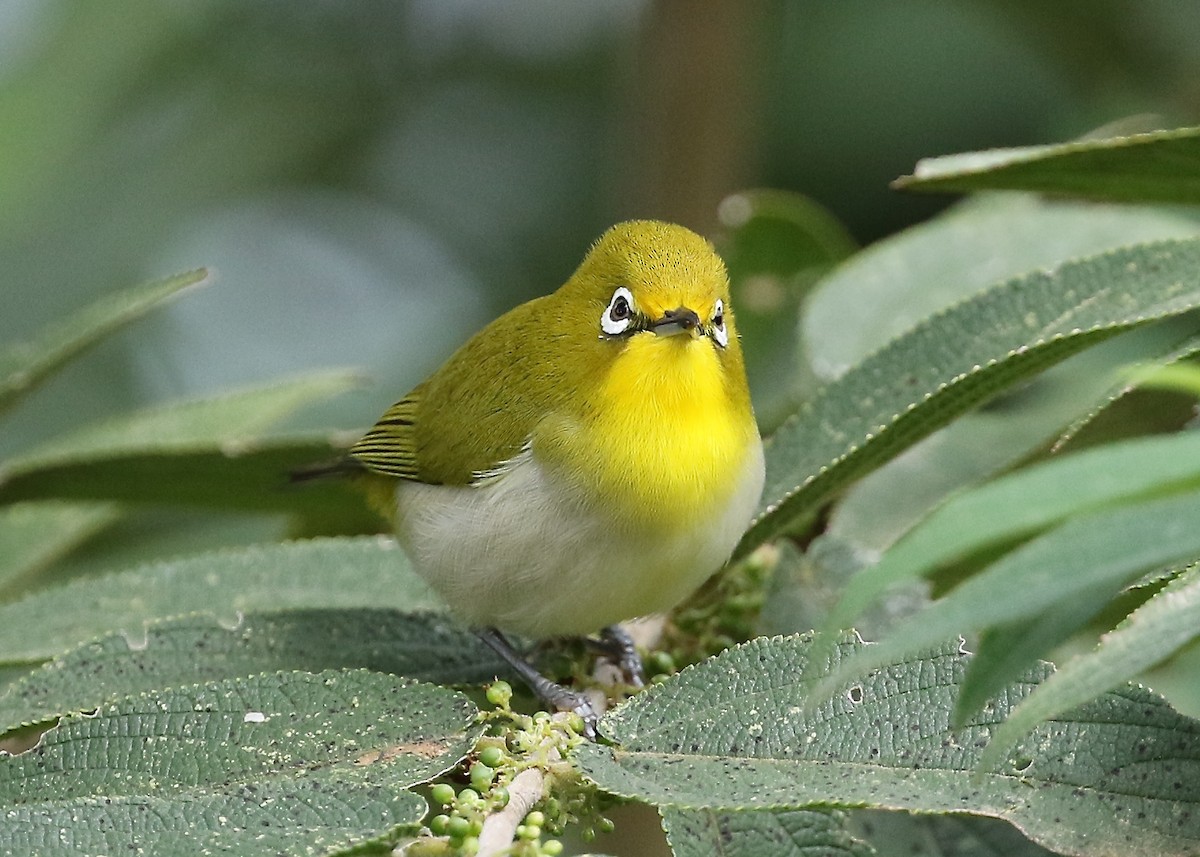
(665, 439)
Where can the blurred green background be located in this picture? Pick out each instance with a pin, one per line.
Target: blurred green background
(372, 181)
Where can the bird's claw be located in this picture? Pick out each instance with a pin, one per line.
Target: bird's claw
(616, 642)
(582, 706)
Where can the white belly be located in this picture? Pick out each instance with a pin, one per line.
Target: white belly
(523, 552)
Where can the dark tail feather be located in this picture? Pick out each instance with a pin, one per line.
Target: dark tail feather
(341, 469)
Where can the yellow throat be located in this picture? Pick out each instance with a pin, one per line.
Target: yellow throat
(663, 438)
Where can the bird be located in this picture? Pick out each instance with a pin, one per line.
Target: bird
(589, 457)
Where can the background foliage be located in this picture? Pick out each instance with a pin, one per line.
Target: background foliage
(364, 184)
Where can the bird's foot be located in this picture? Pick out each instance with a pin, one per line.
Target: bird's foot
(553, 695)
(617, 644)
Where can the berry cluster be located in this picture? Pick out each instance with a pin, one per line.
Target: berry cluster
(515, 743)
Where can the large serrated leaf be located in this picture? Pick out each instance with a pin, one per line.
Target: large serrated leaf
(1150, 634)
(1088, 555)
(928, 835)
(25, 364)
(1120, 776)
(306, 817)
(275, 762)
(1041, 416)
(33, 535)
(1158, 166)
(1024, 503)
(898, 281)
(209, 452)
(960, 358)
(786, 833)
(320, 573)
(191, 649)
(227, 420)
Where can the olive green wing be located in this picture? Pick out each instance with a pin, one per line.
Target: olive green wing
(480, 409)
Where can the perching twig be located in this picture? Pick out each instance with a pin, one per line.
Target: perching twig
(499, 828)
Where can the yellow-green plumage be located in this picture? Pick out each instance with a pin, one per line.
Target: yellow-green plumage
(554, 477)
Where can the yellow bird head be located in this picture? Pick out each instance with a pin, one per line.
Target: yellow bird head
(647, 277)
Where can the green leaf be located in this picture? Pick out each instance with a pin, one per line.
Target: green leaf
(781, 232)
(1120, 776)
(25, 364)
(1025, 502)
(942, 835)
(903, 279)
(1101, 551)
(895, 283)
(204, 476)
(1004, 652)
(1183, 378)
(229, 421)
(191, 649)
(960, 358)
(1159, 166)
(1150, 634)
(191, 453)
(280, 762)
(307, 816)
(321, 573)
(787, 833)
(34, 535)
(1035, 419)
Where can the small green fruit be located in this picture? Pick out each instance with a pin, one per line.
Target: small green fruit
(442, 793)
(491, 756)
(482, 776)
(499, 693)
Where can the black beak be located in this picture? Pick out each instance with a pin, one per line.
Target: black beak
(681, 320)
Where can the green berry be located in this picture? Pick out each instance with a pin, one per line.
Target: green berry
(482, 776)
(499, 693)
(606, 825)
(661, 662)
(467, 797)
(491, 756)
(442, 793)
(552, 848)
(470, 845)
(535, 818)
(500, 797)
(438, 825)
(458, 827)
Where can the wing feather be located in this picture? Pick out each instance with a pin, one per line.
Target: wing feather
(478, 411)
(390, 447)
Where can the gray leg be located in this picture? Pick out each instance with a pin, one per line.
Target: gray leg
(554, 695)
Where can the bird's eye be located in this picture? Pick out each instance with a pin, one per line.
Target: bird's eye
(619, 313)
(720, 333)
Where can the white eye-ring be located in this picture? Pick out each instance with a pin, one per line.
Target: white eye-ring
(720, 332)
(618, 315)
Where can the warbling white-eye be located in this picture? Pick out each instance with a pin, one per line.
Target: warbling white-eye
(591, 456)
